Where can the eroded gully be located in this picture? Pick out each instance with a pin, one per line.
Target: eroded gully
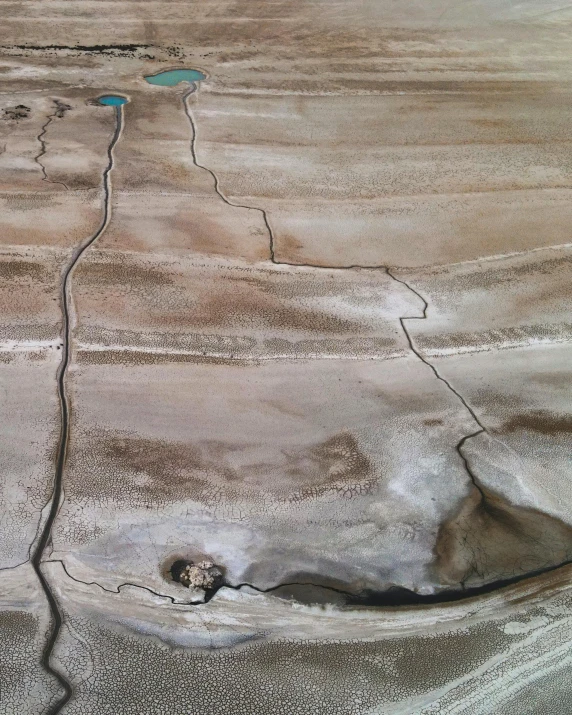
(59, 110)
(57, 491)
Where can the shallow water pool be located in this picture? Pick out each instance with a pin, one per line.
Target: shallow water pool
(112, 100)
(172, 77)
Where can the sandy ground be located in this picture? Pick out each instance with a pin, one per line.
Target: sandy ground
(323, 339)
(30, 351)
(273, 470)
(239, 650)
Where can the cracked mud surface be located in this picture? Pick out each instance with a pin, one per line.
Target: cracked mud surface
(307, 319)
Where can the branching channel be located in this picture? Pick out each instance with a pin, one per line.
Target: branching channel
(59, 110)
(57, 492)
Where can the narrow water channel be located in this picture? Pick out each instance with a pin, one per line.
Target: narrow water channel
(56, 497)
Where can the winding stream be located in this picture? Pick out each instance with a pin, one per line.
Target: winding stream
(56, 497)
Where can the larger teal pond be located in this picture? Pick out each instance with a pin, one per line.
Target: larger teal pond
(112, 100)
(172, 77)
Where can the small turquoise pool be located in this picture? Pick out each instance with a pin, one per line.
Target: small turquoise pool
(172, 77)
(112, 100)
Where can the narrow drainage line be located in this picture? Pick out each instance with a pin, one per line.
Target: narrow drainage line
(28, 559)
(16, 566)
(481, 428)
(460, 444)
(209, 595)
(57, 491)
(394, 597)
(271, 240)
(192, 122)
(420, 355)
(111, 590)
(43, 146)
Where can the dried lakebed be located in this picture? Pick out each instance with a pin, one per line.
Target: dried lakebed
(314, 431)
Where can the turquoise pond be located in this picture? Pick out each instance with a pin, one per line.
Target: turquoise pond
(112, 100)
(173, 77)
